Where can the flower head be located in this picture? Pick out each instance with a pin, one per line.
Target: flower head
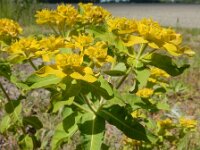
(9, 29)
(49, 46)
(90, 14)
(23, 49)
(145, 92)
(122, 25)
(98, 53)
(188, 123)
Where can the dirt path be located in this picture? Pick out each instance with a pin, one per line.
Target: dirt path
(182, 15)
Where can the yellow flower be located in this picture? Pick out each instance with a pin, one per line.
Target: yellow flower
(156, 72)
(188, 123)
(151, 31)
(67, 15)
(82, 41)
(145, 92)
(49, 46)
(165, 123)
(122, 25)
(9, 29)
(138, 114)
(68, 65)
(25, 48)
(90, 14)
(46, 16)
(98, 53)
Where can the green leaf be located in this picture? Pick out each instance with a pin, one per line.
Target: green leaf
(100, 87)
(5, 70)
(19, 84)
(166, 63)
(39, 82)
(14, 108)
(183, 143)
(119, 117)
(65, 129)
(26, 142)
(60, 104)
(142, 76)
(163, 106)
(5, 123)
(112, 39)
(116, 100)
(92, 129)
(118, 70)
(33, 121)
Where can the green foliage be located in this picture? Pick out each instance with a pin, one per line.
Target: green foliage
(98, 70)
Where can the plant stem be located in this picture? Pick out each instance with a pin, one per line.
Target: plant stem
(4, 91)
(87, 101)
(123, 79)
(81, 107)
(32, 64)
(142, 48)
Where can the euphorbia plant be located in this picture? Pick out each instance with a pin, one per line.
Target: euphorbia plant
(98, 68)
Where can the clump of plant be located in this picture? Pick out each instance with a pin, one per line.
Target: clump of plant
(97, 68)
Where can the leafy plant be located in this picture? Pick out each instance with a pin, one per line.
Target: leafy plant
(86, 63)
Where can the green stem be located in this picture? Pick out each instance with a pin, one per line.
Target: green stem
(81, 107)
(141, 51)
(54, 30)
(4, 91)
(87, 101)
(32, 64)
(123, 79)
(149, 53)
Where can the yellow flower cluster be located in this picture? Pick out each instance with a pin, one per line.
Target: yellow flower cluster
(158, 76)
(66, 16)
(63, 16)
(82, 41)
(9, 29)
(156, 72)
(98, 53)
(69, 65)
(188, 123)
(25, 48)
(149, 32)
(165, 123)
(145, 92)
(29, 47)
(122, 25)
(49, 46)
(90, 14)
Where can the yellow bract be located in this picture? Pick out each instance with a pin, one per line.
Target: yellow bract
(165, 123)
(98, 53)
(68, 60)
(91, 14)
(64, 16)
(156, 72)
(122, 25)
(49, 46)
(68, 65)
(188, 123)
(9, 29)
(145, 92)
(82, 41)
(25, 48)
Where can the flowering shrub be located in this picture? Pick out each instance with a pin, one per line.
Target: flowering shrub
(86, 63)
